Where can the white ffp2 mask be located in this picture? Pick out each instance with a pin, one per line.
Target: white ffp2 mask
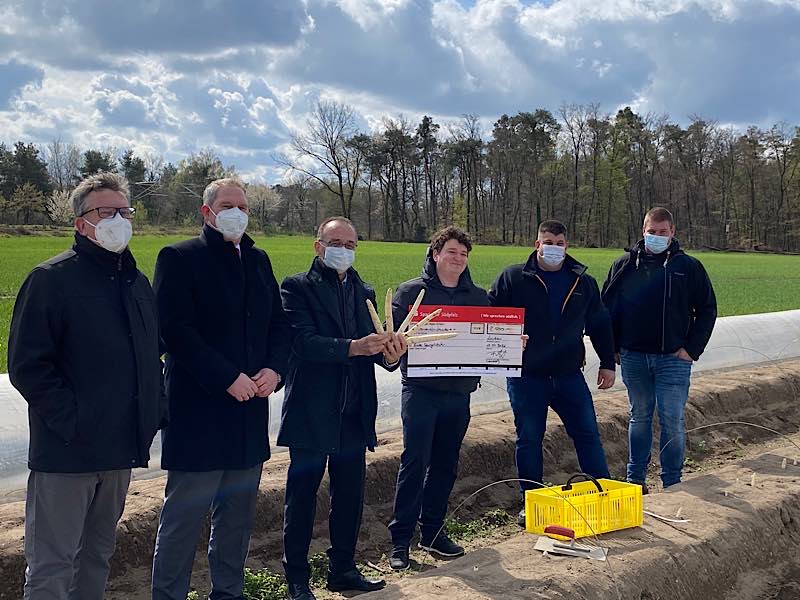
(231, 223)
(113, 234)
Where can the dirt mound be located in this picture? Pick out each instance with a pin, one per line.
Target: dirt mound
(766, 395)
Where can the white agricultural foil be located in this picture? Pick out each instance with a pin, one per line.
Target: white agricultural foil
(737, 341)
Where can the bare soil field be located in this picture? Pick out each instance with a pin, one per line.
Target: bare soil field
(741, 542)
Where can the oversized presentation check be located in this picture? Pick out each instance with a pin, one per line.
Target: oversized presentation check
(488, 342)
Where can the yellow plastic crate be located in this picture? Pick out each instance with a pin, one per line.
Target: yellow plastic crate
(583, 508)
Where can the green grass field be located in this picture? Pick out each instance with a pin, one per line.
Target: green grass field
(744, 283)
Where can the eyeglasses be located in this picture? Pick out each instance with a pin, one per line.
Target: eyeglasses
(340, 244)
(109, 212)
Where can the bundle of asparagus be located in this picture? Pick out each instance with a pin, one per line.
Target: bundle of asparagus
(404, 329)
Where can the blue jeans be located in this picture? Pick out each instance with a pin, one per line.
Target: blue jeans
(434, 425)
(656, 380)
(570, 397)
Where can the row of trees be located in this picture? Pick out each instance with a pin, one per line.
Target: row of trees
(598, 173)
(35, 184)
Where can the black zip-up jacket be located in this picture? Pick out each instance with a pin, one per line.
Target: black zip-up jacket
(319, 367)
(660, 303)
(84, 353)
(466, 293)
(556, 349)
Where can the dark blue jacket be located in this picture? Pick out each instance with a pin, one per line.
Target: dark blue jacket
(83, 352)
(220, 316)
(556, 349)
(681, 313)
(466, 293)
(315, 393)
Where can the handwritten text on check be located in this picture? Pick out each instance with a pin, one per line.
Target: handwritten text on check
(488, 342)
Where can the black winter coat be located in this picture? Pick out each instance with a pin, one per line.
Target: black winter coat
(221, 315)
(315, 393)
(556, 350)
(466, 293)
(682, 315)
(83, 352)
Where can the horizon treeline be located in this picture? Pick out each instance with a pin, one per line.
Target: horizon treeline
(598, 173)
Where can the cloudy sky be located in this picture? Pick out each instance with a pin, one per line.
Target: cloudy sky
(171, 77)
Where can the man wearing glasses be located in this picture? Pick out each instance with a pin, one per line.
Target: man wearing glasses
(84, 353)
(227, 342)
(330, 405)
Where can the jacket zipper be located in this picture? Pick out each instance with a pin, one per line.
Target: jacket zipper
(569, 294)
(564, 306)
(548, 293)
(340, 295)
(664, 309)
(121, 293)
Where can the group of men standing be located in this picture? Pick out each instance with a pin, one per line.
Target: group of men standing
(88, 332)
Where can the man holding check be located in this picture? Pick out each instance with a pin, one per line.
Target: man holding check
(435, 410)
(561, 301)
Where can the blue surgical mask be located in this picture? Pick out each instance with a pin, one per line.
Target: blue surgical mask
(552, 255)
(339, 259)
(656, 243)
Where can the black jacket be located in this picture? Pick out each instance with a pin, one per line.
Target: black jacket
(315, 393)
(220, 316)
(556, 350)
(83, 352)
(465, 293)
(663, 305)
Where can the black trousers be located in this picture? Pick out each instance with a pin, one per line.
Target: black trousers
(346, 472)
(434, 425)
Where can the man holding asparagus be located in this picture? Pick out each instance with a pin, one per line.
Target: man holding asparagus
(330, 405)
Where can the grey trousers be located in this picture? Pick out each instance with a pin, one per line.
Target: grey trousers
(70, 532)
(231, 498)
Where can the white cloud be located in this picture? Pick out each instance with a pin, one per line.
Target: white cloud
(238, 77)
(370, 13)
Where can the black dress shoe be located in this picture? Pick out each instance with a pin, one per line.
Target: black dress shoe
(300, 591)
(443, 546)
(353, 580)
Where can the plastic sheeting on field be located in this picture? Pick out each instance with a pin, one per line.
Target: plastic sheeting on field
(736, 341)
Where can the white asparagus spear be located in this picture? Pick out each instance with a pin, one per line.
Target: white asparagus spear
(430, 337)
(376, 320)
(412, 312)
(387, 307)
(424, 321)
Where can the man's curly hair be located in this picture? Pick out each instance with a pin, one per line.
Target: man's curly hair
(441, 237)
